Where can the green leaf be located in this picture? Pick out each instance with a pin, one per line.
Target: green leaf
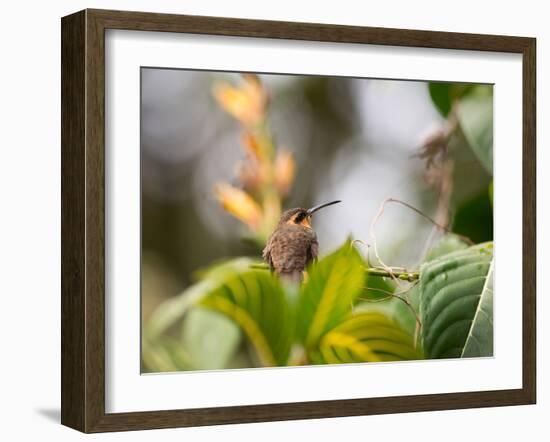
(443, 95)
(399, 310)
(257, 303)
(447, 244)
(475, 115)
(365, 337)
(172, 310)
(209, 338)
(474, 218)
(402, 313)
(163, 354)
(377, 289)
(328, 295)
(439, 92)
(451, 290)
(480, 337)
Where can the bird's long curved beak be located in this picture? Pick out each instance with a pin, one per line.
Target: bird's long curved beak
(314, 209)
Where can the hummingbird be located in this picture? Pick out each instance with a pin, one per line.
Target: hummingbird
(293, 244)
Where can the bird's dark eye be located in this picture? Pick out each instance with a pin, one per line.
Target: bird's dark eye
(300, 217)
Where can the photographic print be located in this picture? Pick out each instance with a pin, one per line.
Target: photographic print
(291, 220)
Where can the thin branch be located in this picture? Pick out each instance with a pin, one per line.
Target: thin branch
(393, 273)
(259, 266)
(434, 222)
(407, 302)
(372, 271)
(414, 209)
(375, 245)
(374, 289)
(443, 176)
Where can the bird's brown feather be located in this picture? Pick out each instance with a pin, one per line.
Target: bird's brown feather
(291, 248)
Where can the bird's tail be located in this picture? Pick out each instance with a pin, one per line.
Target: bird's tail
(294, 278)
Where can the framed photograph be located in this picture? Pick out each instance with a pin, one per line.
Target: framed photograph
(266, 220)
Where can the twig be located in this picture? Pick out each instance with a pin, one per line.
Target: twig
(444, 185)
(372, 271)
(375, 245)
(414, 209)
(374, 289)
(393, 273)
(259, 266)
(407, 302)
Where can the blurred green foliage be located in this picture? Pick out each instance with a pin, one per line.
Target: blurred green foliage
(474, 218)
(469, 111)
(475, 115)
(323, 322)
(444, 94)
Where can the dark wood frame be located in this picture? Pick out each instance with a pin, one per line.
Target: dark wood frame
(83, 217)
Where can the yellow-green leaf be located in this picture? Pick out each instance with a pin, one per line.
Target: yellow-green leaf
(256, 302)
(173, 309)
(328, 295)
(365, 337)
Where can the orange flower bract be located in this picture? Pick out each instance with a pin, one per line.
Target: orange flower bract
(285, 169)
(246, 103)
(239, 204)
(265, 175)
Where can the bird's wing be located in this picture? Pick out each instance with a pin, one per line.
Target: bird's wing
(266, 254)
(313, 251)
